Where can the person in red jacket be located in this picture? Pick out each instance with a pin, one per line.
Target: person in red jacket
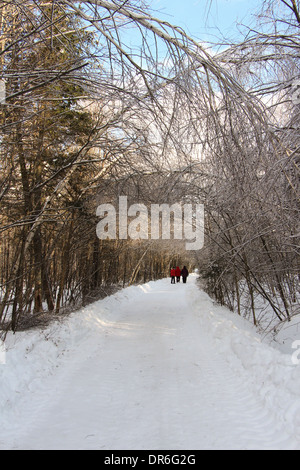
(172, 275)
(178, 273)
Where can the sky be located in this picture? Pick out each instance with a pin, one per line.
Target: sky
(206, 19)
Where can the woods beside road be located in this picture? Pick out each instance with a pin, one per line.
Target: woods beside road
(85, 119)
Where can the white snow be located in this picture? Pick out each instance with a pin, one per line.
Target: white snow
(153, 367)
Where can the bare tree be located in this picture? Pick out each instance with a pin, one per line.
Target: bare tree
(88, 116)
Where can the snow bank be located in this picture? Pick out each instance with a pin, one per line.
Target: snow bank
(33, 356)
(274, 375)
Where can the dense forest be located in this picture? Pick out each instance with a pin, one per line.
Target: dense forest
(85, 118)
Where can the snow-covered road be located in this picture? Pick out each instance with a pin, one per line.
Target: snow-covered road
(154, 367)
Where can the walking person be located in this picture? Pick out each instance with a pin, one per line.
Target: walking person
(184, 274)
(173, 273)
(178, 273)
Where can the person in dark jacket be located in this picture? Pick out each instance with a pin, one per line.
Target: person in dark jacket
(184, 274)
(178, 273)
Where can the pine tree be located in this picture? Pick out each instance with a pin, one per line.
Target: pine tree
(46, 130)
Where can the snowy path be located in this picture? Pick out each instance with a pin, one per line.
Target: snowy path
(150, 368)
